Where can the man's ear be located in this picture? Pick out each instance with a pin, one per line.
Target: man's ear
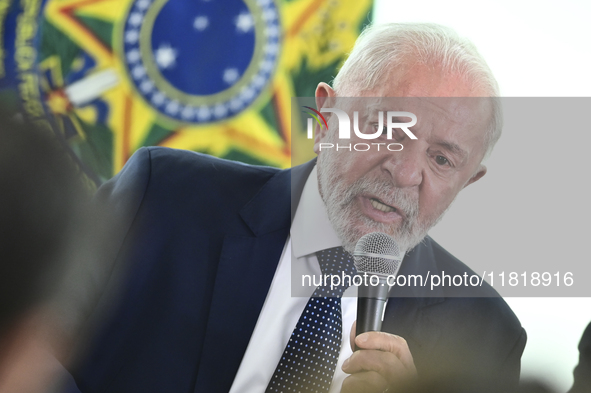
(481, 172)
(324, 93)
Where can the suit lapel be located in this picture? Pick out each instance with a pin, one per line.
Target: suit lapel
(246, 269)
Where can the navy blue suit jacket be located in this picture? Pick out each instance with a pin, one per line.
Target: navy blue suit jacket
(198, 245)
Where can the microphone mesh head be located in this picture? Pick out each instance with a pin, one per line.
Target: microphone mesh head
(377, 253)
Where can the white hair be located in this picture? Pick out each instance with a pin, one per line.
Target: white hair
(383, 47)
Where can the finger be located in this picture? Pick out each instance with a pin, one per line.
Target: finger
(388, 343)
(364, 382)
(352, 336)
(386, 364)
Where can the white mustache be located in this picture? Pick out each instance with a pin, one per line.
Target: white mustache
(389, 194)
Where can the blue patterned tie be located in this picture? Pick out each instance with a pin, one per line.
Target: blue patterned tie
(310, 357)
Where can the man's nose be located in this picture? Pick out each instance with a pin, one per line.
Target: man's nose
(405, 167)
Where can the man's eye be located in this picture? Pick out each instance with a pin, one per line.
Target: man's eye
(384, 129)
(442, 161)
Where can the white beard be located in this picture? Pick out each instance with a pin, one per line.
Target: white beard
(342, 213)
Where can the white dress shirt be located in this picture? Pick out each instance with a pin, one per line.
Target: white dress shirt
(310, 232)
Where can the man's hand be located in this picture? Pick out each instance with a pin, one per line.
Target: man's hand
(383, 360)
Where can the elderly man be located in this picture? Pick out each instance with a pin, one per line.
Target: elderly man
(209, 245)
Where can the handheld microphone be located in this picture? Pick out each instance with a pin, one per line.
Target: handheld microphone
(376, 254)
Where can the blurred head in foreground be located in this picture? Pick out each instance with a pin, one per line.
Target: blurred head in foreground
(42, 225)
(462, 385)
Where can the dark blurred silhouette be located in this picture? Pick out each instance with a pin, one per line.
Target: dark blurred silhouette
(47, 255)
(582, 372)
(463, 385)
(40, 201)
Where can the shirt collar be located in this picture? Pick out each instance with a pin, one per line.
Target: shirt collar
(311, 230)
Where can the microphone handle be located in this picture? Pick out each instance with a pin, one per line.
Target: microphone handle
(371, 303)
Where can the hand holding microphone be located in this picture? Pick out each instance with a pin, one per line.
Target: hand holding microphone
(384, 361)
(380, 360)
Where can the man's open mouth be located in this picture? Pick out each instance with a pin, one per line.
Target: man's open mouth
(381, 206)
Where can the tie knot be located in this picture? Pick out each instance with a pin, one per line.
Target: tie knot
(337, 262)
